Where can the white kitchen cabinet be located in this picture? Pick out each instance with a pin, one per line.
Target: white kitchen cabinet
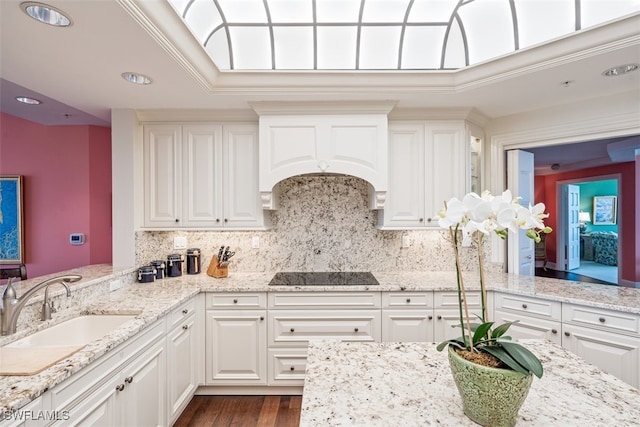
(181, 358)
(407, 316)
(428, 164)
(126, 388)
(201, 175)
(236, 339)
(537, 318)
(162, 175)
(295, 318)
(446, 313)
(609, 339)
(23, 418)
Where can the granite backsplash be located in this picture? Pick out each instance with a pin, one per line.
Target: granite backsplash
(323, 224)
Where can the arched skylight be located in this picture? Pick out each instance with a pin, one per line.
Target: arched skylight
(382, 34)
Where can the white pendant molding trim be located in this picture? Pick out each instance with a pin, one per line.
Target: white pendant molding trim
(344, 138)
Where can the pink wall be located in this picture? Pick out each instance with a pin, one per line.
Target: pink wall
(67, 189)
(628, 206)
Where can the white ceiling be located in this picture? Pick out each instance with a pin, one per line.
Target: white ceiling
(77, 70)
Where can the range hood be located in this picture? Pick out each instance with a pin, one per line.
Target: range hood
(326, 138)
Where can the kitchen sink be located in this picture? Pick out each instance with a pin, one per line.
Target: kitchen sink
(36, 352)
(78, 331)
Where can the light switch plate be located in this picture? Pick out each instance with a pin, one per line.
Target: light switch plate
(180, 242)
(255, 242)
(406, 241)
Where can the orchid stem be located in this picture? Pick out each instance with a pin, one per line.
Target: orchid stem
(483, 290)
(461, 291)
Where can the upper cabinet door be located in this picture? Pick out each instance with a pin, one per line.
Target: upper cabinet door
(405, 200)
(447, 166)
(202, 199)
(242, 206)
(162, 175)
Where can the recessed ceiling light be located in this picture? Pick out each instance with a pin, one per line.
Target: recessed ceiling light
(27, 100)
(137, 78)
(46, 14)
(620, 70)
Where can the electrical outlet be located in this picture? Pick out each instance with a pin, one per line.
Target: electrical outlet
(180, 242)
(114, 285)
(255, 242)
(406, 241)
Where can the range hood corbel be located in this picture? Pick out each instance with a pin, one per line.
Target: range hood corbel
(323, 138)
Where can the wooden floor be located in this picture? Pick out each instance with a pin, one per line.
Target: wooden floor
(241, 411)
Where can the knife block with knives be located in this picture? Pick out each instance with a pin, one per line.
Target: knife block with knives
(219, 265)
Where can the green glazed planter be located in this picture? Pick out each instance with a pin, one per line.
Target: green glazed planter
(490, 396)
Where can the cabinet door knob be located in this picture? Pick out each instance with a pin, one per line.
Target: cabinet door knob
(554, 331)
(430, 317)
(261, 317)
(408, 300)
(439, 317)
(128, 380)
(421, 220)
(185, 311)
(177, 220)
(293, 368)
(567, 334)
(524, 305)
(292, 330)
(602, 319)
(429, 219)
(120, 387)
(235, 301)
(226, 220)
(356, 330)
(185, 327)
(217, 219)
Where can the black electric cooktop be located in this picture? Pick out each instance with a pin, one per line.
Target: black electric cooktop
(332, 278)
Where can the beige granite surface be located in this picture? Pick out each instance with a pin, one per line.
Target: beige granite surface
(410, 384)
(154, 300)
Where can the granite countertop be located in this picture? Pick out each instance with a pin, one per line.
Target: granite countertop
(151, 301)
(410, 384)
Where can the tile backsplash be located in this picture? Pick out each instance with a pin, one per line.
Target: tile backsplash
(323, 224)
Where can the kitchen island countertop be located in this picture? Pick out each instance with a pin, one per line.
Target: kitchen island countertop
(410, 384)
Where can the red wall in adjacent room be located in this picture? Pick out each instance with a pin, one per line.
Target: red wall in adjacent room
(67, 189)
(545, 191)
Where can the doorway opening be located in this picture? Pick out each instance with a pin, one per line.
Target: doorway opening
(588, 227)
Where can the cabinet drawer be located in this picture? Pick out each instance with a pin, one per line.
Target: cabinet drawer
(287, 366)
(450, 299)
(226, 301)
(310, 300)
(616, 321)
(531, 306)
(181, 313)
(296, 328)
(407, 299)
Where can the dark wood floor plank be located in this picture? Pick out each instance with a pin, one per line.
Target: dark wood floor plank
(241, 411)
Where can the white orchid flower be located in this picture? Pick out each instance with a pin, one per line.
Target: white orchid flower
(453, 214)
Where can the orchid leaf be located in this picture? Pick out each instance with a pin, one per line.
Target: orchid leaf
(500, 330)
(501, 354)
(524, 357)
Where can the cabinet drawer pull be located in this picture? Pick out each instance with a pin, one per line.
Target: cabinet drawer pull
(439, 317)
(429, 219)
(261, 317)
(554, 331)
(430, 317)
(408, 300)
(567, 334)
(120, 387)
(226, 220)
(524, 306)
(293, 368)
(128, 380)
(177, 220)
(292, 330)
(217, 219)
(356, 330)
(602, 319)
(235, 301)
(421, 220)
(185, 311)
(185, 327)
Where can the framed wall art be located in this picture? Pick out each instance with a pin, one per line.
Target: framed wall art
(604, 210)
(11, 220)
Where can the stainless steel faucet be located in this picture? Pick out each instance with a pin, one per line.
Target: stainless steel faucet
(12, 306)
